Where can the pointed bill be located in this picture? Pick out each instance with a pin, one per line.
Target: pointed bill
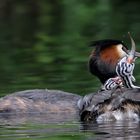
(132, 53)
(133, 48)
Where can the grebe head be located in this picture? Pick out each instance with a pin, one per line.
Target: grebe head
(106, 55)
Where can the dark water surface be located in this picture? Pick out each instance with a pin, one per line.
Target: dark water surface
(32, 130)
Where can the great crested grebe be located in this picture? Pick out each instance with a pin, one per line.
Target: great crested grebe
(103, 105)
(122, 103)
(105, 56)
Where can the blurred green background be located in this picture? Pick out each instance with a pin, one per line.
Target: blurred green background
(44, 43)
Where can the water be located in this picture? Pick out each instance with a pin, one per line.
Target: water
(115, 130)
(44, 44)
(69, 130)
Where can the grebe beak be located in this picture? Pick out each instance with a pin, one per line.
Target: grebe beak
(132, 54)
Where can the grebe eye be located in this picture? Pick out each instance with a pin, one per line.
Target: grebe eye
(124, 49)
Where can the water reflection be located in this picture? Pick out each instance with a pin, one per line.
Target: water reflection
(41, 126)
(115, 130)
(35, 117)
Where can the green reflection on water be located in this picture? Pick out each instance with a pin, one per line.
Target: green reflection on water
(44, 44)
(44, 131)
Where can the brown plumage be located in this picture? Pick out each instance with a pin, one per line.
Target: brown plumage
(103, 106)
(104, 58)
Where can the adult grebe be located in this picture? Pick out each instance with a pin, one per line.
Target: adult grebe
(119, 100)
(105, 56)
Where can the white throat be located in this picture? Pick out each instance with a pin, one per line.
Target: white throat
(120, 50)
